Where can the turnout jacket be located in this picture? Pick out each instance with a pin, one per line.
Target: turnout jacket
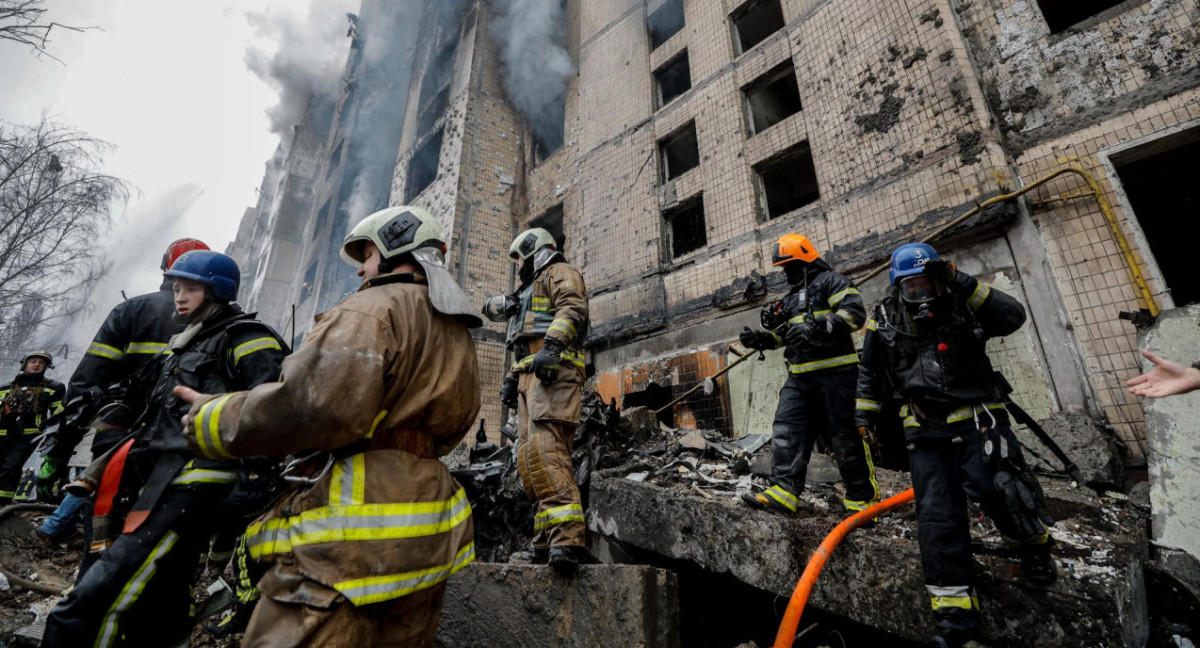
(553, 306)
(940, 369)
(27, 402)
(382, 386)
(823, 293)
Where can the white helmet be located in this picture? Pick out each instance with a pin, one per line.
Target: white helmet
(529, 242)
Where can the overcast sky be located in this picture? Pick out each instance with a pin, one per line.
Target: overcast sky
(166, 83)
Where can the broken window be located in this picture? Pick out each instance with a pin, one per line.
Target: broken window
(788, 181)
(679, 152)
(335, 159)
(687, 230)
(1061, 15)
(672, 79)
(1164, 214)
(423, 166)
(754, 21)
(772, 98)
(664, 19)
(552, 221)
(654, 397)
(435, 87)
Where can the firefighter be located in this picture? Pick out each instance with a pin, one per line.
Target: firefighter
(132, 334)
(138, 592)
(385, 383)
(30, 400)
(926, 340)
(813, 323)
(547, 324)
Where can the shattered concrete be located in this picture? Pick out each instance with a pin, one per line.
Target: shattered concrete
(874, 578)
(1093, 447)
(615, 606)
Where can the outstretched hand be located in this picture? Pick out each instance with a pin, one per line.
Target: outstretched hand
(1166, 379)
(188, 395)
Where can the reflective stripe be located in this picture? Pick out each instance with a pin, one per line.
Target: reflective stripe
(246, 591)
(564, 327)
(847, 318)
(979, 296)
(837, 298)
(540, 303)
(133, 589)
(968, 411)
(362, 522)
(200, 476)
(783, 497)
(866, 405)
(105, 351)
(347, 484)
(374, 424)
(803, 317)
(857, 506)
(206, 425)
(152, 348)
(573, 357)
(260, 344)
(871, 471)
(364, 591)
(827, 363)
(8, 493)
(952, 596)
(557, 515)
(872, 325)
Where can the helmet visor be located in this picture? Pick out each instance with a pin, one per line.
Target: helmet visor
(919, 289)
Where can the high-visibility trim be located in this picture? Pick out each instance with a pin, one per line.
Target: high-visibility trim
(866, 405)
(573, 357)
(133, 589)
(147, 348)
(785, 498)
(104, 351)
(207, 430)
(523, 364)
(253, 346)
(980, 295)
(362, 522)
(968, 411)
(540, 304)
(778, 338)
(244, 589)
(872, 325)
(201, 476)
(564, 327)
(836, 298)
(374, 589)
(348, 482)
(8, 493)
(952, 596)
(871, 472)
(557, 515)
(827, 363)
(857, 505)
(847, 317)
(375, 423)
(804, 317)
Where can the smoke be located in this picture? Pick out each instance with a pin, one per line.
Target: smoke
(301, 55)
(536, 64)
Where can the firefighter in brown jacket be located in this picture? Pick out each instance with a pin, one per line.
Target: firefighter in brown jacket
(547, 324)
(361, 546)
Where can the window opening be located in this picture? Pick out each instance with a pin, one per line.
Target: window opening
(335, 159)
(1164, 215)
(653, 397)
(772, 98)
(679, 152)
(664, 19)
(423, 166)
(673, 79)
(552, 221)
(788, 181)
(687, 228)
(754, 21)
(1061, 15)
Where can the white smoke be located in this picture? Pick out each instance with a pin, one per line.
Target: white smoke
(301, 54)
(536, 64)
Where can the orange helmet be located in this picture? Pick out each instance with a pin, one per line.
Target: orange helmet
(794, 247)
(177, 248)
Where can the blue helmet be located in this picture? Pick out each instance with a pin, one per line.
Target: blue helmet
(910, 259)
(213, 269)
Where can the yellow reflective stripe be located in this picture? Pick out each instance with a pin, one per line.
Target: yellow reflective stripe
(871, 471)
(105, 351)
(872, 325)
(866, 405)
(980, 295)
(259, 344)
(847, 318)
(963, 602)
(348, 481)
(778, 338)
(558, 515)
(574, 357)
(837, 298)
(362, 522)
(910, 421)
(783, 497)
(827, 363)
(374, 589)
(133, 589)
(564, 326)
(803, 317)
(540, 304)
(523, 364)
(207, 427)
(968, 411)
(152, 348)
(200, 476)
(374, 424)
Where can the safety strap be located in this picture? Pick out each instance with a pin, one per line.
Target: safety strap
(110, 482)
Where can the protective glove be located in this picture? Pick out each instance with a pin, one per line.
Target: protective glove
(756, 340)
(867, 432)
(49, 479)
(508, 392)
(802, 333)
(545, 363)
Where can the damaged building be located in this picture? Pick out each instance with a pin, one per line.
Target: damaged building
(668, 143)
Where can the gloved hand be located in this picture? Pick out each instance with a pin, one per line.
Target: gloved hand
(545, 363)
(49, 479)
(508, 392)
(756, 340)
(867, 432)
(802, 333)
(772, 316)
(941, 270)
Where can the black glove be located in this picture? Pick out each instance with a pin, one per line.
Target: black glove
(802, 333)
(508, 392)
(545, 363)
(772, 316)
(941, 270)
(756, 340)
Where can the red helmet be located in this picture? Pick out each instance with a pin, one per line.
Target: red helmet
(176, 250)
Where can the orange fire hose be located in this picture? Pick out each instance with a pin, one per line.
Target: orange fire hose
(795, 608)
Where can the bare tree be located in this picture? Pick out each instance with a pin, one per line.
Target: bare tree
(24, 22)
(55, 206)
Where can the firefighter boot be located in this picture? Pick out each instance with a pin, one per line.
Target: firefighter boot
(567, 559)
(535, 556)
(773, 499)
(1037, 564)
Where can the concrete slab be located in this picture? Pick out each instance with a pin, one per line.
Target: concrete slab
(616, 606)
(875, 578)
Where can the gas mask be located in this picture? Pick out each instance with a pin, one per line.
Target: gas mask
(918, 293)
